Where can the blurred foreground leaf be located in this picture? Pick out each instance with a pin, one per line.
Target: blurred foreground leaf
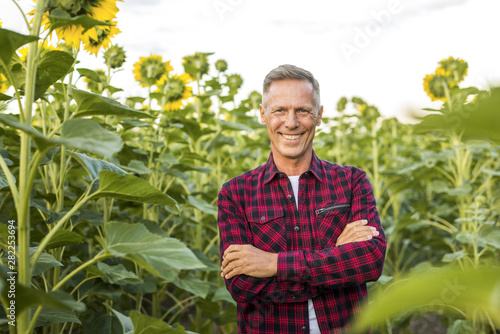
(448, 287)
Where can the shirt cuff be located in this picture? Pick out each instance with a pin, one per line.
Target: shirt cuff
(289, 266)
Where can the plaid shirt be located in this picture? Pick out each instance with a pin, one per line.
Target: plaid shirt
(258, 208)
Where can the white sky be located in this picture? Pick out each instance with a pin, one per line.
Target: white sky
(255, 36)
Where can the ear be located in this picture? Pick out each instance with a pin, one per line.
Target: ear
(320, 116)
(262, 115)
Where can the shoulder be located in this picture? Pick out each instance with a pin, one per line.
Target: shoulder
(245, 180)
(349, 173)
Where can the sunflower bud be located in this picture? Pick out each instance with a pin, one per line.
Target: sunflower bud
(196, 65)
(234, 82)
(221, 65)
(115, 56)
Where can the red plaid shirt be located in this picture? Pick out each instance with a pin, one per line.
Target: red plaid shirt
(258, 208)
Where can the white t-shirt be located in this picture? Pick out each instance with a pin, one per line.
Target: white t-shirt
(313, 322)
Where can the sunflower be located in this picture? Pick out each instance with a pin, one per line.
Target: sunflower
(148, 70)
(4, 84)
(436, 85)
(176, 90)
(45, 47)
(92, 39)
(455, 68)
(102, 40)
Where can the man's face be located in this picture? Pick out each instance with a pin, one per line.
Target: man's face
(291, 118)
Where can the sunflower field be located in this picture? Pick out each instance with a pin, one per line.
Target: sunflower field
(107, 200)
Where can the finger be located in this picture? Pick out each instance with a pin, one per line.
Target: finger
(230, 257)
(357, 223)
(231, 270)
(230, 249)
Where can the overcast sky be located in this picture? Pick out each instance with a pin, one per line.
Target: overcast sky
(378, 50)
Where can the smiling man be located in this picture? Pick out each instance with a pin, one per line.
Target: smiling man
(299, 236)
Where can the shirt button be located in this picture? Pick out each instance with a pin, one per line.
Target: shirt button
(263, 218)
(293, 297)
(296, 228)
(304, 328)
(289, 196)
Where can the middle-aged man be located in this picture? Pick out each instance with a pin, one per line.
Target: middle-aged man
(299, 236)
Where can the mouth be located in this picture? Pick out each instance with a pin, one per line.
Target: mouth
(291, 137)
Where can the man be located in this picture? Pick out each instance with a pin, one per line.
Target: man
(299, 236)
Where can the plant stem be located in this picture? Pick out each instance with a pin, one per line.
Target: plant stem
(23, 208)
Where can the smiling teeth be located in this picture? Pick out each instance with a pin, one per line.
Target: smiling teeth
(291, 137)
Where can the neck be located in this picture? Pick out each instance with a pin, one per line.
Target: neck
(293, 167)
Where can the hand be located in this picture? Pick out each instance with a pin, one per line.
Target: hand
(248, 260)
(356, 231)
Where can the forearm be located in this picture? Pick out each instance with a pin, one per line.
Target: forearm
(345, 265)
(247, 289)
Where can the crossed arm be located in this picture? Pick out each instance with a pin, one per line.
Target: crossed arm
(251, 261)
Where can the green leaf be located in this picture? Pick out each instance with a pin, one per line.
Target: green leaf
(193, 284)
(3, 179)
(137, 167)
(44, 263)
(27, 297)
(103, 324)
(88, 135)
(83, 134)
(454, 256)
(118, 274)
(94, 166)
(10, 42)
(53, 66)
(148, 325)
(490, 235)
(461, 327)
(90, 104)
(59, 18)
(202, 205)
(4, 97)
(131, 188)
(92, 75)
(161, 256)
(57, 316)
(64, 238)
(128, 326)
(447, 286)
(223, 294)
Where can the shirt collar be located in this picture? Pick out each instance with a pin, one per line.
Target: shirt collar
(315, 169)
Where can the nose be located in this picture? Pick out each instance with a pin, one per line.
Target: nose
(291, 121)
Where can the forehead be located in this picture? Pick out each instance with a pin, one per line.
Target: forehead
(291, 92)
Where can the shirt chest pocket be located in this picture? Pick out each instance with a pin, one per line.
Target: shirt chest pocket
(331, 219)
(268, 229)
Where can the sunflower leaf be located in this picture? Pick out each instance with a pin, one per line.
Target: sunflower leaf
(10, 42)
(90, 104)
(59, 18)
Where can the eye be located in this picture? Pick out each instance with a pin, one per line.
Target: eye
(278, 111)
(303, 111)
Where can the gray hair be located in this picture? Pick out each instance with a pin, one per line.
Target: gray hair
(290, 72)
